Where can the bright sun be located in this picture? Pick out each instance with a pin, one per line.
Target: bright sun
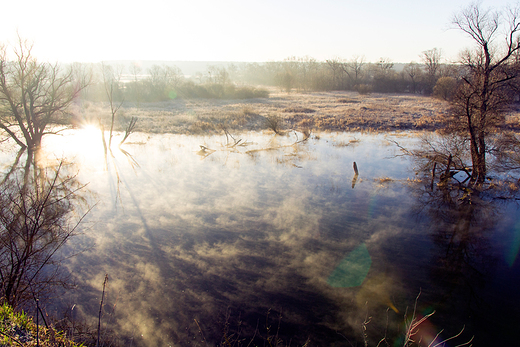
(90, 131)
(87, 140)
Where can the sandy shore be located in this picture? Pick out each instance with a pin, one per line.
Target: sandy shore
(323, 111)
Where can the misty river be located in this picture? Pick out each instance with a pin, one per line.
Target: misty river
(273, 237)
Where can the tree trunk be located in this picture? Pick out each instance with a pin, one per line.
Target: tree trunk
(478, 157)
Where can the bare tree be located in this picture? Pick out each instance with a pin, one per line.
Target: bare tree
(432, 61)
(413, 71)
(33, 95)
(355, 69)
(165, 79)
(307, 67)
(490, 73)
(337, 67)
(111, 80)
(220, 75)
(385, 65)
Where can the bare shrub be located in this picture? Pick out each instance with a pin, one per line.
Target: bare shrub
(247, 93)
(274, 123)
(364, 89)
(445, 88)
(347, 101)
(247, 110)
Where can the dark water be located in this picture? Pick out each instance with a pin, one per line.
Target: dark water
(276, 241)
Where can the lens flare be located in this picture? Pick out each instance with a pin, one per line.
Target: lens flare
(514, 247)
(172, 94)
(351, 271)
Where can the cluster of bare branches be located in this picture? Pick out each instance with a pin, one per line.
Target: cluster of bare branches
(34, 95)
(441, 157)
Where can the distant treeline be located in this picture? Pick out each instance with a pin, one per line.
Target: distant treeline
(235, 81)
(161, 83)
(307, 74)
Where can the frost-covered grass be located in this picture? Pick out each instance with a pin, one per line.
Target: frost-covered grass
(329, 111)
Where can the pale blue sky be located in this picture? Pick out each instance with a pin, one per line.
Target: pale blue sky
(234, 30)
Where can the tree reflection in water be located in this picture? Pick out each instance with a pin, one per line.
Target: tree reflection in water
(463, 219)
(40, 211)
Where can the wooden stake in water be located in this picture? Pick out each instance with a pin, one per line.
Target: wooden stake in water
(356, 174)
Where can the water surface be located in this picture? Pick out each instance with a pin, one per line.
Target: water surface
(277, 237)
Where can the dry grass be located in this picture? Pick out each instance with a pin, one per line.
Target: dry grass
(353, 141)
(325, 111)
(383, 180)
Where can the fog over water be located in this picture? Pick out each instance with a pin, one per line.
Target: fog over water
(253, 239)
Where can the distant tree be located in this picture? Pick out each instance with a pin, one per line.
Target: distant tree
(354, 68)
(34, 95)
(307, 71)
(233, 71)
(385, 78)
(163, 82)
(254, 73)
(218, 75)
(156, 82)
(413, 71)
(285, 80)
(490, 73)
(337, 67)
(291, 74)
(432, 60)
(385, 65)
(136, 87)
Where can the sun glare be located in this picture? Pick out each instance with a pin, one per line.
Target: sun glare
(90, 131)
(87, 140)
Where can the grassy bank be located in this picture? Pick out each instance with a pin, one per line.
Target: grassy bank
(18, 329)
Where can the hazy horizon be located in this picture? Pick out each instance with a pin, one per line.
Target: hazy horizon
(235, 31)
